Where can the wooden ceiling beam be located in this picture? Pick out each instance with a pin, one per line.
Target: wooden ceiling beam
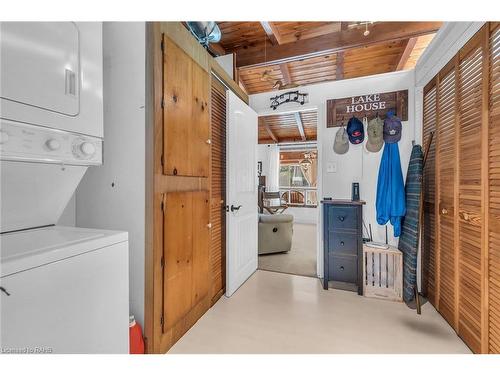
(217, 49)
(270, 132)
(300, 125)
(271, 32)
(285, 72)
(255, 54)
(410, 44)
(241, 83)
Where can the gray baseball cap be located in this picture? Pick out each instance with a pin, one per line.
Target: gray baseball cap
(341, 143)
(375, 132)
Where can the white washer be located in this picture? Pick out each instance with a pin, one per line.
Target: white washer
(63, 289)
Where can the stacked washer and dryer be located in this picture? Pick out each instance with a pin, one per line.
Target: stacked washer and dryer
(62, 289)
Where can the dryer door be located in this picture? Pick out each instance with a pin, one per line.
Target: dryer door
(40, 68)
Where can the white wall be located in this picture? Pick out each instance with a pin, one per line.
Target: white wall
(263, 156)
(357, 165)
(226, 62)
(122, 206)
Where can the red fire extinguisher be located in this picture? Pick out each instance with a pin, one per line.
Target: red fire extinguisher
(136, 340)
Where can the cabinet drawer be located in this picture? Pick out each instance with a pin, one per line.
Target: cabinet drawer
(343, 268)
(343, 243)
(343, 218)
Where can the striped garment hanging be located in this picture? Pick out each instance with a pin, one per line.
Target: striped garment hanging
(408, 240)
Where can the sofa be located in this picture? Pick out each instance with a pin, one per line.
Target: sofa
(275, 233)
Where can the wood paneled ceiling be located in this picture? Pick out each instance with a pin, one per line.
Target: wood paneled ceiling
(270, 55)
(288, 127)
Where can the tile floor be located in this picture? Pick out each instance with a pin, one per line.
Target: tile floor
(280, 313)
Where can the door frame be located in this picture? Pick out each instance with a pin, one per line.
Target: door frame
(321, 119)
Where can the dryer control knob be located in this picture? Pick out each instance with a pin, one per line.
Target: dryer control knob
(87, 148)
(53, 144)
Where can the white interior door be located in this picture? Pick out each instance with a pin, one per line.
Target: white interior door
(242, 216)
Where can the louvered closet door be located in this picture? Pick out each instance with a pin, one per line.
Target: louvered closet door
(446, 154)
(470, 220)
(218, 190)
(494, 193)
(429, 194)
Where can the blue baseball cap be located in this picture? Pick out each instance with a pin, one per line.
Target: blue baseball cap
(355, 131)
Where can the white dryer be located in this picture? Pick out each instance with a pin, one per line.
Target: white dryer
(62, 289)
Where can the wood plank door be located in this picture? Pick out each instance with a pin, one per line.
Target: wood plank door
(186, 114)
(242, 215)
(446, 169)
(470, 198)
(218, 190)
(186, 270)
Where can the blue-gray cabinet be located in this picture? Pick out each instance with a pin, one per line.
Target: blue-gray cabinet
(343, 243)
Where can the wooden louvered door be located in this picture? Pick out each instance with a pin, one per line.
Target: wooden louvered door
(470, 193)
(462, 261)
(493, 254)
(218, 190)
(446, 169)
(429, 195)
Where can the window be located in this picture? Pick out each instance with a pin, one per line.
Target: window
(298, 177)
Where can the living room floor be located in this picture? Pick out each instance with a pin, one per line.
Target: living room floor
(301, 259)
(275, 313)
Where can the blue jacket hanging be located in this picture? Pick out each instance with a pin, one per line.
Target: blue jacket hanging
(390, 202)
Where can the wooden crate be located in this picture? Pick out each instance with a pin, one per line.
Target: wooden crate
(383, 273)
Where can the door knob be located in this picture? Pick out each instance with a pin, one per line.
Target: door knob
(444, 211)
(235, 208)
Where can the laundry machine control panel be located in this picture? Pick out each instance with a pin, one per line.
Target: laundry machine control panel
(23, 142)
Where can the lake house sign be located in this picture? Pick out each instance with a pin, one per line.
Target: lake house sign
(339, 111)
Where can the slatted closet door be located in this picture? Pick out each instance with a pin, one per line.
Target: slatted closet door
(494, 192)
(218, 190)
(470, 220)
(429, 196)
(446, 154)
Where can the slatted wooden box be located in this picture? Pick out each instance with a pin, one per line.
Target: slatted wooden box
(383, 273)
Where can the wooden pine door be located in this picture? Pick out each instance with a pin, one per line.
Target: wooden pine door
(186, 114)
(446, 169)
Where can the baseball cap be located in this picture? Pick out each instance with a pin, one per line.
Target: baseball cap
(341, 143)
(355, 131)
(392, 129)
(375, 130)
